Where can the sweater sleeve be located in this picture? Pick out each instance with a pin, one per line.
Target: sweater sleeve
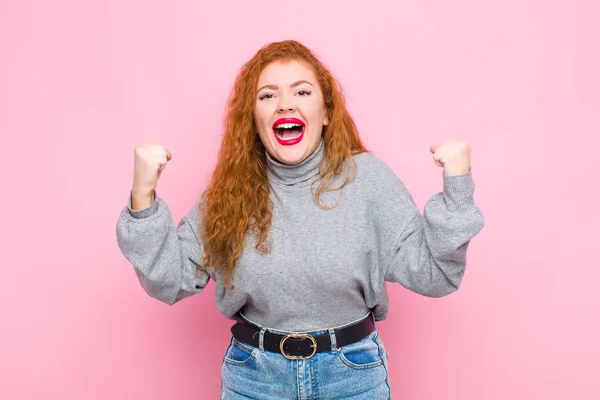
(426, 253)
(164, 256)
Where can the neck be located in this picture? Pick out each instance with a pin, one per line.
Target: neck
(295, 174)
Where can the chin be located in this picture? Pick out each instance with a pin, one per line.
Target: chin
(288, 156)
(293, 154)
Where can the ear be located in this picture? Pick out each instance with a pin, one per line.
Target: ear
(326, 121)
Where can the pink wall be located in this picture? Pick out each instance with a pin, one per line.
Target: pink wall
(82, 82)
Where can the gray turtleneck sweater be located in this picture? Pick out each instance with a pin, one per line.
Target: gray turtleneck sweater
(325, 268)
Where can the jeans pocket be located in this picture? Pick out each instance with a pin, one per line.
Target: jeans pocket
(363, 354)
(239, 353)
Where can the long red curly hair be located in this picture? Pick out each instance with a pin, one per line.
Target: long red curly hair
(236, 200)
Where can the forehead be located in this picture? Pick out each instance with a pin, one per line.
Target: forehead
(286, 72)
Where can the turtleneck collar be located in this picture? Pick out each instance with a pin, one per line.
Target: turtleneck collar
(297, 173)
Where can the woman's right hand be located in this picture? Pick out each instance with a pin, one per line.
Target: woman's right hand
(149, 161)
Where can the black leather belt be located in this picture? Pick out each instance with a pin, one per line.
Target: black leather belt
(301, 346)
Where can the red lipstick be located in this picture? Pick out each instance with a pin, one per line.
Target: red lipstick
(292, 121)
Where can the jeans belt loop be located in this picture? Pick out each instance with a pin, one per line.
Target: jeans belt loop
(261, 340)
(333, 340)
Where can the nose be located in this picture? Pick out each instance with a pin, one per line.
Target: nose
(282, 109)
(285, 105)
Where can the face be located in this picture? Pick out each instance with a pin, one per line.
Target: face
(289, 112)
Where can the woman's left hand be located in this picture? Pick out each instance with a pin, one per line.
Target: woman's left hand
(453, 156)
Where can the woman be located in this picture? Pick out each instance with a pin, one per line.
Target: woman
(300, 228)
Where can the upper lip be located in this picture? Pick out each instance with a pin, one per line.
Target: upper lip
(288, 121)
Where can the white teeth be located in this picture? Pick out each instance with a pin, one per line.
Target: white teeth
(287, 125)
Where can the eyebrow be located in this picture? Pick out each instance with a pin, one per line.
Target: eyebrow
(275, 87)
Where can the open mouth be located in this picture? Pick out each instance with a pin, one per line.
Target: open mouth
(288, 131)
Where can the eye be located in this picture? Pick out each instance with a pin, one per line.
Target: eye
(303, 92)
(265, 96)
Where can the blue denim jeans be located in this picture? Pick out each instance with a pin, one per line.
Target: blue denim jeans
(358, 371)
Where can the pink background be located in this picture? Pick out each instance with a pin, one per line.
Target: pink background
(82, 82)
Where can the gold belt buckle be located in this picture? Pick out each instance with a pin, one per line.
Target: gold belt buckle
(298, 336)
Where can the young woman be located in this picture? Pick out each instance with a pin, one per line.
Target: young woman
(300, 227)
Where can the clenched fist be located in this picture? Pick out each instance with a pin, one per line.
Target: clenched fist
(149, 161)
(453, 156)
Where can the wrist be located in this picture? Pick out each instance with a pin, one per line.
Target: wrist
(141, 199)
(457, 170)
(142, 192)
